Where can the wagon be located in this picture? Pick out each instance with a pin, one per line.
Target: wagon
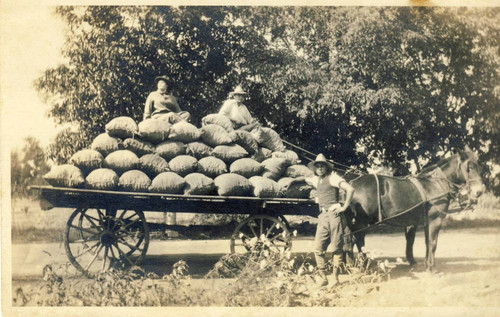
(108, 229)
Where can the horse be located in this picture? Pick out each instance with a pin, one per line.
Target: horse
(411, 201)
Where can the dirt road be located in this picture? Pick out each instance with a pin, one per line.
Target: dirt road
(469, 262)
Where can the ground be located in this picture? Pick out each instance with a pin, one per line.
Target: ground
(467, 257)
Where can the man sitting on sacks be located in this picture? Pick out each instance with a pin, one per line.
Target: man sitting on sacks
(332, 224)
(237, 112)
(161, 104)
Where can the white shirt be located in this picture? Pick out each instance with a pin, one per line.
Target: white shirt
(334, 179)
(237, 112)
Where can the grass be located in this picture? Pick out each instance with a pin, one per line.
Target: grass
(264, 278)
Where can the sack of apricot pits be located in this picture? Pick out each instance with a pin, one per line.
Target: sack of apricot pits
(167, 183)
(218, 119)
(102, 178)
(122, 127)
(106, 144)
(184, 131)
(183, 165)
(154, 131)
(66, 175)
(212, 166)
(232, 185)
(121, 161)
(198, 184)
(135, 181)
(246, 167)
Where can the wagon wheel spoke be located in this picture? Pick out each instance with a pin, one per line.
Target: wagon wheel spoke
(88, 250)
(274, 234)
(253, 231)
(105, 258)
(109, 233)
(94, 258)
(119, 219)
(132, 248)
(270, 229)
(93, 233)
(123, 255)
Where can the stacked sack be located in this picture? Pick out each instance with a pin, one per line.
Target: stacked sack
(155, 156)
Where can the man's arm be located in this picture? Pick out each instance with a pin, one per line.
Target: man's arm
(174, 103)
(349, 193)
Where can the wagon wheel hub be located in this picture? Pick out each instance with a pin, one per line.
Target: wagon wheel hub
(107, 238)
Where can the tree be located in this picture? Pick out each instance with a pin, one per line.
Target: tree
(114, 54)
(405, 83)
(27, 167)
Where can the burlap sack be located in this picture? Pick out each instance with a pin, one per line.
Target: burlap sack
(245, 140)
(154, 131)
(268, 138)
(246, 167)
(170, 149)
(198, 184)
(122, 127)
(298, 171)
(168, 183)
(212, 166)
(264, 187)
(121, 161)
(289, 155)
(106, 144)
(262, 154)
(215, 135)
(184, 131)
(153, 164)
(296, 190)
(87, 160)
(232, 185)
(229, 153)
(102, 178)
(198, 150)
(183, 165)
(139, 147)
(135, 181)
(218, 119)
(66, 175)
(274, 168)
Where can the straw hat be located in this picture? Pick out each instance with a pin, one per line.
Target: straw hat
(238, 91)
(320, 159)
(165, 78)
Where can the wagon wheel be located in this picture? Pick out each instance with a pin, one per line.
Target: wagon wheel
(260, 232)
(97, 240)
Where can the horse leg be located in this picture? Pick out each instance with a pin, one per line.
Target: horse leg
(410, 239)
(433, 233)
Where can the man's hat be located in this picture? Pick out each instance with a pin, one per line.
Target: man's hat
(165, 78)
(319, 159)
(238, 91)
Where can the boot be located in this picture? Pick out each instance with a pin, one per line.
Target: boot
(321, 279)
(335, 276)
(337, 261)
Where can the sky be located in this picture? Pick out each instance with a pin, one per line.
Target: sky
(31, 41)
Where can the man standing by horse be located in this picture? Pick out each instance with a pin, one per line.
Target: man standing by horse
(332, 224)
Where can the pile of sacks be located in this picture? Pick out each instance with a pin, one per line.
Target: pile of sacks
(154, 156)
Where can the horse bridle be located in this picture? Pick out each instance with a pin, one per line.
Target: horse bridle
(455, 193)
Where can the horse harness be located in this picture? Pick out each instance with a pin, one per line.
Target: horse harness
(421, 191)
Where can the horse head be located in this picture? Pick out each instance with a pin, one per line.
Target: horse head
(463, 172)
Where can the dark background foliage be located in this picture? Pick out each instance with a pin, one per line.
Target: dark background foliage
(400, 83)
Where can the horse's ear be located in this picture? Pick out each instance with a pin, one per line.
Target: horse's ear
(467, 154)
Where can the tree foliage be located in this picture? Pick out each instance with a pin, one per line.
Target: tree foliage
(27, 167)
(404, 83)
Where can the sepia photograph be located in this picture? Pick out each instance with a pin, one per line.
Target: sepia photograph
(250, 159)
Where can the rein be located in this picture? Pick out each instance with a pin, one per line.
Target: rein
(452, 192)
